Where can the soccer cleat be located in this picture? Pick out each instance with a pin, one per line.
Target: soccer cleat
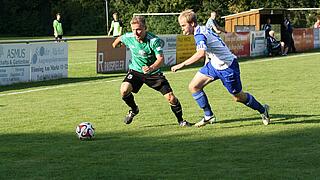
(129, 117)
(184, 123)
(204, 121)
(265, 116)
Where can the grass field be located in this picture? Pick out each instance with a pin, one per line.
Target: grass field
(38, 123)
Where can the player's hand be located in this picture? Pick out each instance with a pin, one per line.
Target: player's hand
(147, 69)
(176, 67)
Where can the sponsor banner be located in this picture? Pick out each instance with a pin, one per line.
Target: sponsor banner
(257, 43)
(170, 58)
(316, 36)
(238, 43)
(49, 61)
(303, 39)
(169, 44)
(128, 58)
(110, 59)
(185, 47)
(14, 63)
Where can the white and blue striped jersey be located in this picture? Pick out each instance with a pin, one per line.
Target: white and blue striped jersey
(218, 53)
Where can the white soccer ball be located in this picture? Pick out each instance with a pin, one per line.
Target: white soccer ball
(85, 130)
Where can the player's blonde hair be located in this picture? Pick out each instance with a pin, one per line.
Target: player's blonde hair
(139, 20)
(189, 15)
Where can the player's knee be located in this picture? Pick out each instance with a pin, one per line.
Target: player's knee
(125, 89)
(193, 88)
(241, 97)
(171, 98)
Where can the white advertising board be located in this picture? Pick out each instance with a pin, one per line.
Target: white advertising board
(49, 61)
(169, 49)
(14, 63)
(257, 43)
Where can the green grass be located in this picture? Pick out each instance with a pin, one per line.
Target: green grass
(38, 138)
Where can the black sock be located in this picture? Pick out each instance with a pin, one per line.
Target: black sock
(177, 110)
(129, 100)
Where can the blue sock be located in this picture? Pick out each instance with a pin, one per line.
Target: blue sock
(203, 102)
(254, 104)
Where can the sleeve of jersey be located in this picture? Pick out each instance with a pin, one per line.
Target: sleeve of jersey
(156, 46)
(112, 24)
(201, 42)
(123, 39)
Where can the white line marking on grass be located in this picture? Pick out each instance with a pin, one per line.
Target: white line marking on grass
(120, 79)
(85, 62)
(57, 87)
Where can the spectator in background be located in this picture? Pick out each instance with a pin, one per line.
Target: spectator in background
(213, 25)
(57, 28)
(267, 27)
(317, 23)
(116, 26)
(275, 47)
(288, 39)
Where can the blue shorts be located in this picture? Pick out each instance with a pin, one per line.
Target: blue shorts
(230, 77)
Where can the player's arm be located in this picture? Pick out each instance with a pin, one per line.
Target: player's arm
(116, 42)
(55, 32)
(201, 53)
(121, 27)
(110, 28)
(216, 29)
(156, 65)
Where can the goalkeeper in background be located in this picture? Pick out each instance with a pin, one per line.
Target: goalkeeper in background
(57, 27)
(144, 68)
(116, 26)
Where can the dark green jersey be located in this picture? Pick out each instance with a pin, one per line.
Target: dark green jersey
(142, 54)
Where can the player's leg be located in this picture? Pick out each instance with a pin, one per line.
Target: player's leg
(176, 108)
(196, 86)
(161, 84)
(231, 80)
(206, 75)
(131, 83)
(249, 100)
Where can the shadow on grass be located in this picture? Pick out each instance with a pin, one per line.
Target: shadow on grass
(174, 154)
(56, 82)
(280, 118)
(302, 118)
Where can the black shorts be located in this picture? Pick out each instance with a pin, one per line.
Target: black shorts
(156, 81)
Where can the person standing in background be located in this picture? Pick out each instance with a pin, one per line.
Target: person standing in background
(267, 27)
(213, 25)
(116, 26)
(57, 28)
(288, 34)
